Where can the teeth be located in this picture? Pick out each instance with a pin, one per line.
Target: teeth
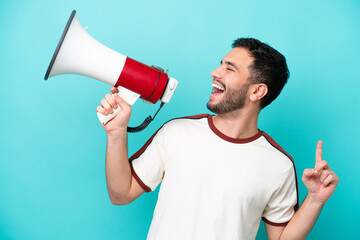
(218, 86)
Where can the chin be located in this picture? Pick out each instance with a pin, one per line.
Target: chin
(212, 107)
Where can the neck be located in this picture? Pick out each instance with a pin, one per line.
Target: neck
(237, 124)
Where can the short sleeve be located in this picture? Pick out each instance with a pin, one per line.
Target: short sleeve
(283, 202)
(147, 164)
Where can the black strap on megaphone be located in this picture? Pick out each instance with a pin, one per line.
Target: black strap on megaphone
(146, 122)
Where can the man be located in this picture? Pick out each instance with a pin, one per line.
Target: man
(220, 174)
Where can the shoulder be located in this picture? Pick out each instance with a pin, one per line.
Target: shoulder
(180, 123)
(276, 152)
(186, 121)
(275, 145)
(188, 118)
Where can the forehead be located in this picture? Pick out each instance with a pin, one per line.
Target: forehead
(240, 57)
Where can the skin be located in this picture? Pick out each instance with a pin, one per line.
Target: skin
(242, 122)
(122, 187)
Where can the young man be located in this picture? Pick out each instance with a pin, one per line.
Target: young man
(220, 174)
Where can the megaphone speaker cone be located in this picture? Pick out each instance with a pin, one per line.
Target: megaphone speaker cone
(59, 45)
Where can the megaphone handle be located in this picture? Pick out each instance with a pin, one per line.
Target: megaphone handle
(129, 96)
(105, 118)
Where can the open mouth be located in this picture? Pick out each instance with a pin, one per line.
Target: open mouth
(217, 88)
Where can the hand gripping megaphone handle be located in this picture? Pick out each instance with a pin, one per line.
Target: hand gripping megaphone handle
(129, 96)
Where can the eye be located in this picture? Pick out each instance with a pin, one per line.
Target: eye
(230, 69)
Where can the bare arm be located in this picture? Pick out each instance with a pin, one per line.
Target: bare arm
(300, 224)
(321, 183)
(122, 187)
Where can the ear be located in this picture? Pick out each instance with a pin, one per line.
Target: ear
(258, 91)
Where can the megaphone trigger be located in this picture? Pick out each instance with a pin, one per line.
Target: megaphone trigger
(129, 96)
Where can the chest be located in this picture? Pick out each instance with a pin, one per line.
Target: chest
(215, 171)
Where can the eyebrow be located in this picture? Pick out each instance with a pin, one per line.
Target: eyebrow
(231, 64)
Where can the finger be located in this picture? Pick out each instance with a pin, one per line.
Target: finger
(110, 99)
(318, 155)
(325, 174)
(101, 110)
(114, 90)
(308, 174)
(106, 106)
(331, 179)
(319, 166)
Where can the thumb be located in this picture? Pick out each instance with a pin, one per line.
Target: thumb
(308, 174)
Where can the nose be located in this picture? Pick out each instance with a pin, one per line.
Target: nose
(217, 73)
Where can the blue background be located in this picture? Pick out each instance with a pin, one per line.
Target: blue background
(52, 147)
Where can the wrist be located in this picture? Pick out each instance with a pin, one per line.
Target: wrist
(315, 201)
(119, 133)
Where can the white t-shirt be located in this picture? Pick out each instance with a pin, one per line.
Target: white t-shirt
(214, 186)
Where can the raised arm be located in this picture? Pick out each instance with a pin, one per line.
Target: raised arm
(321, 182)
(122, 187)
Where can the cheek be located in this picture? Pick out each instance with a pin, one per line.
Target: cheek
(235, 84)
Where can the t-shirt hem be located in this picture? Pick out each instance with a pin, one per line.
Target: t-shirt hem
(274, 224)
(139, 181)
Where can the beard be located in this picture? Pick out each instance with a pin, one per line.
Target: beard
(234, 100)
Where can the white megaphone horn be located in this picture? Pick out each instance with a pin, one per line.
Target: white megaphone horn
(78, 53)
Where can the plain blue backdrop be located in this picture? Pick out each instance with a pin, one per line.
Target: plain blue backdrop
(52, 147)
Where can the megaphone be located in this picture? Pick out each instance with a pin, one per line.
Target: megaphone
(78, 53)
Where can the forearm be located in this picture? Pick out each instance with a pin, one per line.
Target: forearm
(118, 171)
(303, 220)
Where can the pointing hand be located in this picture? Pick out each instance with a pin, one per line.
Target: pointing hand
(320, 181)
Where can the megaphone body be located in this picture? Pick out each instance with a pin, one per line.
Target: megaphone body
(78, 53)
